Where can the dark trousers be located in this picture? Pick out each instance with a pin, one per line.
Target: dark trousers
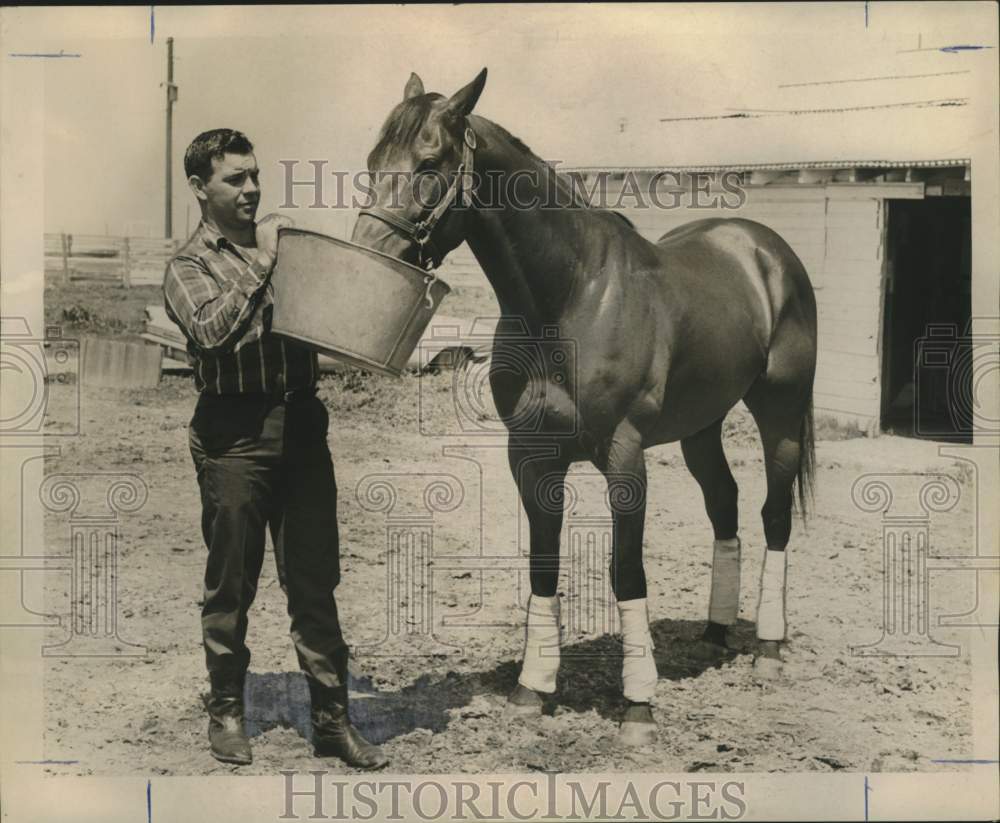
(264, 463)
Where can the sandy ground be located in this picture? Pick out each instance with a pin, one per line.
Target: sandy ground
(435, 701)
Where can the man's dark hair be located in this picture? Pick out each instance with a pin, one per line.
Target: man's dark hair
(214, 143)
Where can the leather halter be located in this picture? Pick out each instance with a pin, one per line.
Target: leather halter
(421, 231)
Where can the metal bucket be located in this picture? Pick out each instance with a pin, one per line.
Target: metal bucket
(351, 302)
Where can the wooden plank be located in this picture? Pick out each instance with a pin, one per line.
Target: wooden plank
(853, 219)
(842, 366)
(869, 285)
(785, 193)
(169, 346)
(113, 364)
(865, 191)
(857, 243)
(864, 409)
(854, 366)
(174, 365)
(846, 388)
(149, 259)
(67, 242)
(842, 344)
(867, 209)
(865, 318)
(862, 269)
(126, 281)
(164, 243)
(834, 376)
(147, 278)
(865, 314)
(833, 330)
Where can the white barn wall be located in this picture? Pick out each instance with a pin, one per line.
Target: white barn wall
(849, 304)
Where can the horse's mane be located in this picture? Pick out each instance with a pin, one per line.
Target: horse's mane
(561, 181)
(402, 124)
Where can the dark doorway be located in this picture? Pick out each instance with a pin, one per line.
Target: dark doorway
(928, 305)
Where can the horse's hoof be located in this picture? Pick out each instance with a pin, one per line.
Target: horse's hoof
(705, 652)
(767, 668)
(638, 727)
(715, 635)
(636, 735)
(711, 647)
(523, 702)
(767, 664)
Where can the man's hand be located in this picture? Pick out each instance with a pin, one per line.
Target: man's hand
(267, 237)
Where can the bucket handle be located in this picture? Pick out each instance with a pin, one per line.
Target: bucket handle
(429, 279)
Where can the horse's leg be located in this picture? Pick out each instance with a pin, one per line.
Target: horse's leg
(781, 427)
(540, 482)
(625, 469)
(707, 462)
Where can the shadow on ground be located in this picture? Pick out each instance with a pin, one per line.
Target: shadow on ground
(589, 679)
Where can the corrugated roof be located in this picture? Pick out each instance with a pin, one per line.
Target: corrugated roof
(791, 166)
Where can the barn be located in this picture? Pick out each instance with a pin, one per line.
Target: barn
(875, 200)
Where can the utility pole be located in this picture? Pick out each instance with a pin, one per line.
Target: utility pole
(168, 229)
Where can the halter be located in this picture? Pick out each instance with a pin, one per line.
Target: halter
(421, 231)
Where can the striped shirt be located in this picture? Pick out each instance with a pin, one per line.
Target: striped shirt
(222, 299)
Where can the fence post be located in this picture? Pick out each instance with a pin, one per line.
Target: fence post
(126, 264)
(66, 240)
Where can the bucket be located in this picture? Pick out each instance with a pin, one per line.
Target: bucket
(351, 302)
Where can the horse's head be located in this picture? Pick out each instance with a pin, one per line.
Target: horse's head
(421, 169)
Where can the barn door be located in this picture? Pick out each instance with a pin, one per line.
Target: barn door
(926, 388)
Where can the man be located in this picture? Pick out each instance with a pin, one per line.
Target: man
(258, 440)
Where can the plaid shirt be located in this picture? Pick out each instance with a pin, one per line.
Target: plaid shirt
(221, 298)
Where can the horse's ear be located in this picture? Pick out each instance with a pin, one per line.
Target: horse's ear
(463, 101)
(414, 87)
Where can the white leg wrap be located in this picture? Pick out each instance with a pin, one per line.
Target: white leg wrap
(724, 602)
(638, 667)
(771, 611)
(541, 645)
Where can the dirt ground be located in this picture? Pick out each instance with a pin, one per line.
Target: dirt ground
(434, 698)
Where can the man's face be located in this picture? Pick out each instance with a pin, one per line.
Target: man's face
(233, 192)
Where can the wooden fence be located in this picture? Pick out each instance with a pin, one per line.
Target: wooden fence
(141, 261)
(128, 261)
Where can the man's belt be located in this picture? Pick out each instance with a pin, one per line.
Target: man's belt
(296, 395)
(286, 396)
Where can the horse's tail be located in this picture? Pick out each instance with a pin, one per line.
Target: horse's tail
(807, 460)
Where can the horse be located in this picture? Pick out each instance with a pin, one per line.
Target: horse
(624, 344)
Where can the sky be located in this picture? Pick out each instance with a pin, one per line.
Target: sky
(583, 85)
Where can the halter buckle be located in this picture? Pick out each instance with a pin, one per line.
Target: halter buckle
(421, 234)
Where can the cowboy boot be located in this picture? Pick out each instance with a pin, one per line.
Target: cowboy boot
(333, 733)
(229, 742)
